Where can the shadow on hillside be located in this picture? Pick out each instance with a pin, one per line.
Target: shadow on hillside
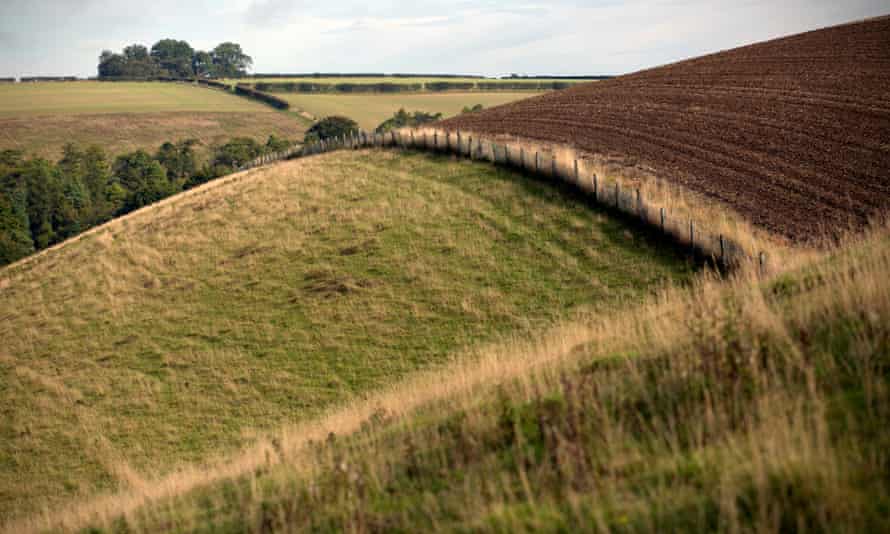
(617, 224)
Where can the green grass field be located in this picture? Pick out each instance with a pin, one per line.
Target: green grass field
(39, 118)
(369, 110)
(191, 328)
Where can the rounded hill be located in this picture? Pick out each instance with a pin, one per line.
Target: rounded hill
(193, 326)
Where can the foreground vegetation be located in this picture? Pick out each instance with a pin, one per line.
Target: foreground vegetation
(194, 326)
(740, 405)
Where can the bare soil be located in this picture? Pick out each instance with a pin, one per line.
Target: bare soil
(794, 134)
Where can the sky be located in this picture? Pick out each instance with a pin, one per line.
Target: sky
(487, 37)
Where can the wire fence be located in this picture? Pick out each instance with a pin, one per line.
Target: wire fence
(724, 251)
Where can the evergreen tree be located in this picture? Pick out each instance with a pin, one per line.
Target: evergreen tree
(43, 200)
(15, 231)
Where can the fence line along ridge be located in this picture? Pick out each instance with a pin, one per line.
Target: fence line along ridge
(724, 251)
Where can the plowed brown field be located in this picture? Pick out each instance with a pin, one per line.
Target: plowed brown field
(794, 134)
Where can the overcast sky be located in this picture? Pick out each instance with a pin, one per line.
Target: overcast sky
(491, 37)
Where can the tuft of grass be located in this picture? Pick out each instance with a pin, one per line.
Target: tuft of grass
(195, 327)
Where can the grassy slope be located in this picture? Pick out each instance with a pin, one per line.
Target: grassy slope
(748, 406)
(189, 328)
(372, 109)
(41, 117)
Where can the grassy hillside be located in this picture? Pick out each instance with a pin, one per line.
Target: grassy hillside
(370, 110)
(40, 118)
(748, 406)
(191, 328)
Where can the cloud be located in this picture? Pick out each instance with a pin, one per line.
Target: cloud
(469, 36)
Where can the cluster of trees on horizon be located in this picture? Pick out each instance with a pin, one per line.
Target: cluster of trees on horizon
(42, 203)
(175, 59)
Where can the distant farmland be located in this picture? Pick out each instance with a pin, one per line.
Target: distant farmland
(369, 110)
(41, 117)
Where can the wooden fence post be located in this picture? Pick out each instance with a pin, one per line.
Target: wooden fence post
(481, 153)
(617, 195)
(639, 204)
(662, 214)
(722, 251)
(596, 192)
(537, 163)
(761, 259)
(553, 167)
(470, 147)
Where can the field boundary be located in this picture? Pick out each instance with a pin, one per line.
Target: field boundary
(722, 250)
(404, 87)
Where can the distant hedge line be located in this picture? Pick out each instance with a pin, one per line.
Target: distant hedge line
(597, 77)
(250, 92)
(139, 79)
(312, 87)
(450, 86)
(212, 83)
(523, 86)
(7, 80)
(358, 75)
(49, 78)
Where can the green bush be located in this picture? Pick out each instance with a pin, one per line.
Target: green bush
(402, 118)
(331, 127)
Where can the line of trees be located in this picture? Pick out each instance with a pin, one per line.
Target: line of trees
(43, 203)
(175, 59)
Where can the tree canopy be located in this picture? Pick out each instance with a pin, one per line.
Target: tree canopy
(42, 203)
(331, 127)
(177, 59)
(402, 118)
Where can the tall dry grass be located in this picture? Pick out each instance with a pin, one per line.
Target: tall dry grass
(760, 355)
